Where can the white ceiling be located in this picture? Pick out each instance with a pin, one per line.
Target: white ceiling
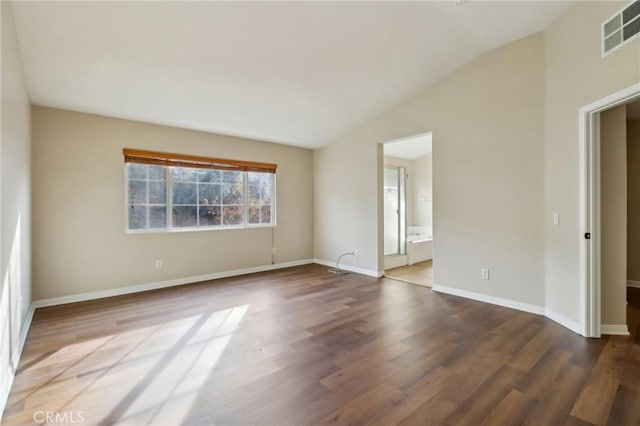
(409, 148)
(300, 73)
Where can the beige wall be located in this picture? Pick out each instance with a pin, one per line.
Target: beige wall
(80, 244)
(633, 201)
(423, 191)
(487, 123)
(613, 181)
(576, 75)
(15, 211)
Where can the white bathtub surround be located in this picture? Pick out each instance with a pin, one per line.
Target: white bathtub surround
(422, 231)
(419, 249)
(419, 244)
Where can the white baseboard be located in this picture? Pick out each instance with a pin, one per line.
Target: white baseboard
(15, 360)
(163, 284)
(507, 303)
(564, 321)
(614, 329)
(635, 284)
(369, 272)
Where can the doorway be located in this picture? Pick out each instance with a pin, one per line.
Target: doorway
(632, 291)
(599, 272)
(407, 209)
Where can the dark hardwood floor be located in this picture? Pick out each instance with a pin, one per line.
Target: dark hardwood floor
(301, 346)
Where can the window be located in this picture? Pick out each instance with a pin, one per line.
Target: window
(172, 191)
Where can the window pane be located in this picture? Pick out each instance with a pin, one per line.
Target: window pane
(137, 171)
(231, 177)
(137, 192)
(157, 217)
(209, 194)
(185, 216)
(184, 193)
(232, 215)
(137, 217)
(266, 214)
(253, 214)
(254, 178)
(184, 174)
(232, 194)
(266, 178)
(157, 173)
(255, 194)
(157, 193)
(266, 195)
(206, 175)
(210, 215)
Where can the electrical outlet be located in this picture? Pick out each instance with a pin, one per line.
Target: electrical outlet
(273, 251)
(484, 273)
(356, 252)
(158, 263)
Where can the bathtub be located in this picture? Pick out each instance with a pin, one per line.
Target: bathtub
(419, 248)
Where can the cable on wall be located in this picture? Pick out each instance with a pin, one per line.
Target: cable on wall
(337, 269)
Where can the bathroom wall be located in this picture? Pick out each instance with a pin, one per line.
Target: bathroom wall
(422, 198)
(419, 189)
(409, 186)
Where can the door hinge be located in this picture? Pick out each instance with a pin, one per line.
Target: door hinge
(587, 235)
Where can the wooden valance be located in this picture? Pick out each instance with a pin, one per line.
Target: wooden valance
(182, 160)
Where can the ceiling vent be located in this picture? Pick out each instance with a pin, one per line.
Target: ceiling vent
(621, 28)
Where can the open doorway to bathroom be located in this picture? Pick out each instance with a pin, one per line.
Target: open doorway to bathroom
(407, 194)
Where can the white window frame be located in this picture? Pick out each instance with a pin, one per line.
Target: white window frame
(169, 205)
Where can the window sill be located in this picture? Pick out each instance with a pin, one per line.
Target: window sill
(201, 229)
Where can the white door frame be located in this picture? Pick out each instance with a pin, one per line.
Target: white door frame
(589, 180)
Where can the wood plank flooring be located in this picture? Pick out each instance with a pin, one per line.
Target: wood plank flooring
(301, 346)
(420, 273)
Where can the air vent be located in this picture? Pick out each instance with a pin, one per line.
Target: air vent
(621, 28)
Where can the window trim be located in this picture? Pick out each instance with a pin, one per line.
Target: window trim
(171, 229)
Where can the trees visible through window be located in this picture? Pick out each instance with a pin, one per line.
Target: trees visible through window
(166, 197)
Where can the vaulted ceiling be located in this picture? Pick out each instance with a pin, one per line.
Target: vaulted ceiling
(300, 73)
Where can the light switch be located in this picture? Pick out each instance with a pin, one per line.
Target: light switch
(556, 218)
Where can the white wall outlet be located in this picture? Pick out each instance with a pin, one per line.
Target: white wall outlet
(158, 263)
(484, 273)
(356, 252)
(273, 251)
(556, 218)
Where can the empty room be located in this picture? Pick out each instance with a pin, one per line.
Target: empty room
(309, 213)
